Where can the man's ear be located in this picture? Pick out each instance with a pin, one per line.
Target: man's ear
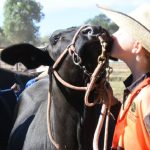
(137, 47)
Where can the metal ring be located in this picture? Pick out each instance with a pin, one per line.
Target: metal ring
(76, 59)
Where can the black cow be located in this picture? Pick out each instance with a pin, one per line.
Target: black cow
(8, 100)
(72, 123)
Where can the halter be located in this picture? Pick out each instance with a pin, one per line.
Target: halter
(71, 50)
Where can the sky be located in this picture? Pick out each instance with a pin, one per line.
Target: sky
(61, 14)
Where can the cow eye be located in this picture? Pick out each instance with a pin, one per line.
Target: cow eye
(55, 39)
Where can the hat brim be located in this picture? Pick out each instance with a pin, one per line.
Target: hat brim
(129, 24)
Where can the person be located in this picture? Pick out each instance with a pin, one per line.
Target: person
(16, 89)
(132, 46)
(40, 76)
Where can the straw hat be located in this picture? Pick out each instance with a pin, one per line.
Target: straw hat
(137, 23)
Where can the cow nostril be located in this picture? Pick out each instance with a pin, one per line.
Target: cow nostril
(87, 30)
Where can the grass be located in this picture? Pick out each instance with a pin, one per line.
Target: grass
(119, 74)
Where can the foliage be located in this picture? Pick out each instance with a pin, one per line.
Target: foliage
(44, 41)
(20, 18)
(119, 74)
(3, 41)
(103, 21)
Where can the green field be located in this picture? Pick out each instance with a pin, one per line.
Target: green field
(120, 73)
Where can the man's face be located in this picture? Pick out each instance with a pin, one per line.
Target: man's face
(123, 44)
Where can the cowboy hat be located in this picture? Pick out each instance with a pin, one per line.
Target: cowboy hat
(137, 23)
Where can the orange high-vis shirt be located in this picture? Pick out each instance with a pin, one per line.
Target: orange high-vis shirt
(130, 132)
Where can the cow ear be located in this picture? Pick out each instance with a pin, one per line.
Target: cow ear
(27, 54)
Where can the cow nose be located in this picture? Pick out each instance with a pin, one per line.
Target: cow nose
(88, 31)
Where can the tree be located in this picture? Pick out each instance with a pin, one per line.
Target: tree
(103, 21)
(43, 41)
(3, 41)
(20, 18)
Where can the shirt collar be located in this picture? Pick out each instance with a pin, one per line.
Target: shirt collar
(130, 86)
(128, 82)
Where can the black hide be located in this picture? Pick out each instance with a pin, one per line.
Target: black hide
(7, 105)
(8, 101)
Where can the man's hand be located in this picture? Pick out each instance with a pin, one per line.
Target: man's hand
(105, 93)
